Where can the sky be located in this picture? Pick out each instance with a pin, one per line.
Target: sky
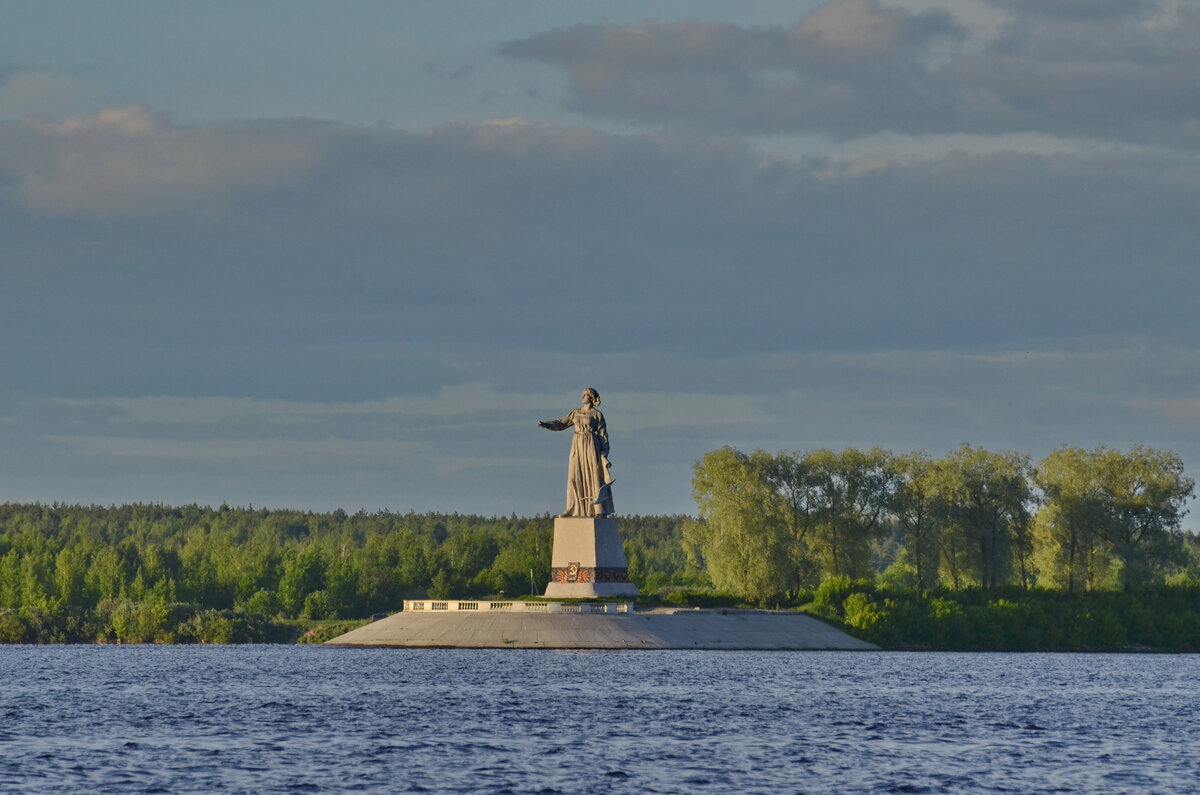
(314, 255)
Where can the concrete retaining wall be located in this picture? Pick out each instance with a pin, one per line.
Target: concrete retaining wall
(656, 629)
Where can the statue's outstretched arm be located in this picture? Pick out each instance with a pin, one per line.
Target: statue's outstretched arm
(556, 425)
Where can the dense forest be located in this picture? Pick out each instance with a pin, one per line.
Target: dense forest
(973, 550)
(154, 572)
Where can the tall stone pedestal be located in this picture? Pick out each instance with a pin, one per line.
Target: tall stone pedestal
(588, 560)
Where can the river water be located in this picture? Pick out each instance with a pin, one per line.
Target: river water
(313, 719)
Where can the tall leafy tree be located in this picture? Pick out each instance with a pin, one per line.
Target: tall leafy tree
(851, 491)
(1143, 494)
(303, 574)
(1072, 552)
(791, 477)
(743, 536)
(10, 579)
(986, 499)
(916, 507)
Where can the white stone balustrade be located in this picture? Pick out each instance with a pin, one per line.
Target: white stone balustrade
(476, 605)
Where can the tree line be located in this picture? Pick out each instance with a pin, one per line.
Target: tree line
(897, 548)
(154, 572)
(775, 526)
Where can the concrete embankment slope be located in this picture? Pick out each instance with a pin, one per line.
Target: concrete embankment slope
(655, 629)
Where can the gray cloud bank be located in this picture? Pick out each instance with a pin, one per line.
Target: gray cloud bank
(162, 238)
(1111, 70)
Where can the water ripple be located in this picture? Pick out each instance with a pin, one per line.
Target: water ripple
(304, 719)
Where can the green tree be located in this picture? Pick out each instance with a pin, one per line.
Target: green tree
(529, 551)
(10, 580)
(70, 570)
(744, 536)
(303, 574)
(468, 553)
(105, 578)
(1071, 552)
(1142, 494)
(985, 498)
(851, 492)
(915, 506)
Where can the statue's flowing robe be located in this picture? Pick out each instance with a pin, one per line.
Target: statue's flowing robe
(585, 469)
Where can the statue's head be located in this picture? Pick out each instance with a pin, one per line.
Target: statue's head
(591, 396)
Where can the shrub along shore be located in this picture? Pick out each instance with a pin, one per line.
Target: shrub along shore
(191, 574)
(1165, 618)
(124, 621)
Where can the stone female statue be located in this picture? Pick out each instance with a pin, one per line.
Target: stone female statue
(588, 478)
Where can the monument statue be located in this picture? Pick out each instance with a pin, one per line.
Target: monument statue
(587, 560)
(589, 479)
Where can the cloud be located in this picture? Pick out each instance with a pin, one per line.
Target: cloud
(402, 254)
(233, 452)
(1109, 70)
(412, 302)
(25, 94)
(1078, 9)
(474, 446)
(470, 437)
(124, 162)
(832, 67)
(456, 404)
(861, 29)
(1183, 411)
(315, 314)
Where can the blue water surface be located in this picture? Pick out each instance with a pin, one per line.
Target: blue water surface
(315, 719)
